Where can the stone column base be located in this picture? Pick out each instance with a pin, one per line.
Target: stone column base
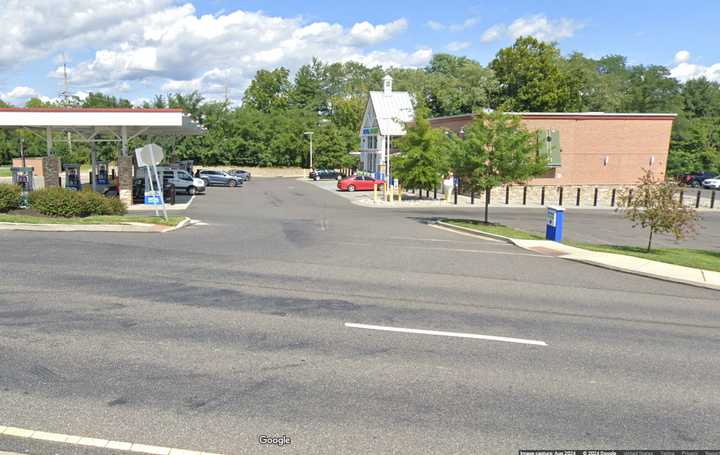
(51, 171)
(125, 179)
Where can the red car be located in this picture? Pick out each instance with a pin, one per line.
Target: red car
(358, 183)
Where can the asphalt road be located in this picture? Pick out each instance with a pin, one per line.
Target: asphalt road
(209, 336)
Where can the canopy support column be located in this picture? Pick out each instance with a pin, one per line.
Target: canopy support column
(93, 172)
(49, 140)
(124, 139)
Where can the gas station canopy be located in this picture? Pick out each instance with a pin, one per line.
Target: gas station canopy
(89, 123)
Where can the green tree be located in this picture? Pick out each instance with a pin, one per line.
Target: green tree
(653, 205)
(531, 78)
(701, 98)
(497, 150)
(101, 100)
(423, 159)
(651, 89)
(269, 90)
(309, 91)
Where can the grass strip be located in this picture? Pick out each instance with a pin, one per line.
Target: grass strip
(98, 219)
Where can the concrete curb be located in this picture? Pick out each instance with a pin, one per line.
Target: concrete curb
(126, 228)
(569, 257)
(186, 221)
(478, 233)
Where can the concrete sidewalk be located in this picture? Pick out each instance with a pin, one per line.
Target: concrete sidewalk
(621, 262)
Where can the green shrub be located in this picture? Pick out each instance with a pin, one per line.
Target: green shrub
(10, 197)
(66, 203)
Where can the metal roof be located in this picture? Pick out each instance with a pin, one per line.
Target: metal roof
(154, 122)
(392, 111)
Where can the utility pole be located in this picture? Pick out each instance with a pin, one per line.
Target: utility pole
(310, 134)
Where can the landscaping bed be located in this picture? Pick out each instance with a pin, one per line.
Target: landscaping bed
(492, 228)
(698, 259)
(30, 216)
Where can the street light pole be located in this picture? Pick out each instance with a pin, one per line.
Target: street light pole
(310, 135)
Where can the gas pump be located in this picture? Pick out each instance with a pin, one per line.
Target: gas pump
(102, 173)
(23, 176)
(72, 176)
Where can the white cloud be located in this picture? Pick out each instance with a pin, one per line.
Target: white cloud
(682, 56)
(493, 33)
(458, 45)
(153, 44)
(684, 71)
(466, 24)
(435, 25)
(394, 58)
(38, 30)
(186, 51)
(364, 33)
(20, 93)
(537, 26)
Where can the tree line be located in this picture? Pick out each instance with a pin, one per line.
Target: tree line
(330, 98)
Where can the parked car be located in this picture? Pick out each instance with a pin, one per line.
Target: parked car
(711, 184)
(244, 175)
(218, 178)
(325, 174)
(358, 183)
(695, 179)
(183, 181)
(138, 190)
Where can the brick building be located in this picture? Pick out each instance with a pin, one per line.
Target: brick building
(592, 148)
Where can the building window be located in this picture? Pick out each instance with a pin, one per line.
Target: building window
(370, 142)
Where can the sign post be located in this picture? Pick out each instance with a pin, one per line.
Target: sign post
(149, 156)
(554, 225)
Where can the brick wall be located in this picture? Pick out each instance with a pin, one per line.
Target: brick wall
(597, 149)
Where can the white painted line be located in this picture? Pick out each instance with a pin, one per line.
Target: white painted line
(487, 239)
(93, 442)
(446, 334)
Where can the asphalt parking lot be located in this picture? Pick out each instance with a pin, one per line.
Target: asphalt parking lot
(208, 337)
(605, 226)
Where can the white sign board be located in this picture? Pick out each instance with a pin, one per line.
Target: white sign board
(551, 217)
(149, 155)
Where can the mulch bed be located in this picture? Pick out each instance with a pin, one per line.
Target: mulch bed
(27, 212)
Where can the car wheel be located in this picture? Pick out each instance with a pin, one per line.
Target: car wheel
(695, 185)
(317, 178)
(207, 182)
(232, 183)
(351, 188)
(191, 191)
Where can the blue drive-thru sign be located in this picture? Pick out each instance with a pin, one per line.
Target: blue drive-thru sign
(554, 225)
(152, 198)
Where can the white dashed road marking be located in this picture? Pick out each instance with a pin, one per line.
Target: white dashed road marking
(446, 334)
(100, 443)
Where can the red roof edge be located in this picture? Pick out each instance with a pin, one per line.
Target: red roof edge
(70, 109)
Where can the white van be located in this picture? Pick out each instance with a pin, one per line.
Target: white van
(181, 178)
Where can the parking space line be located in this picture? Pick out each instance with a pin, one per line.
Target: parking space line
(453, 250)
(95, 442)
(446, 334)
(484, 239)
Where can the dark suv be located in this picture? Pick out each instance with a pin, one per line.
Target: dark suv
(218, 178)
(695, 179)
(325, 174)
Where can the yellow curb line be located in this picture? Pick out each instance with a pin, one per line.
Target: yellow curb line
(94, 442)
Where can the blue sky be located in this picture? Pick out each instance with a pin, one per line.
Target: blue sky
(136, 48)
